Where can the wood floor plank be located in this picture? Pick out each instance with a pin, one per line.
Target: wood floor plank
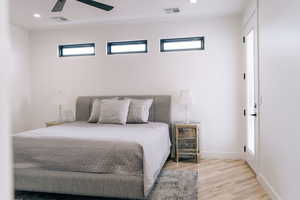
(223, 179)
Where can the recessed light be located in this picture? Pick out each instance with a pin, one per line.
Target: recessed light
(193, 1)
(36, 15)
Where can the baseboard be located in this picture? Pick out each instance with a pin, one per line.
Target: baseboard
(269, 189)
(222, 155)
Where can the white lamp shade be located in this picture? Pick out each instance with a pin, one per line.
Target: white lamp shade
(185, 97)
(59, 99)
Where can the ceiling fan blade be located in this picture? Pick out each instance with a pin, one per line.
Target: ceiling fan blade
(59, 5)
(97, 4)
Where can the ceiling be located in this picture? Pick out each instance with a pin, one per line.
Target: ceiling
(125, 10)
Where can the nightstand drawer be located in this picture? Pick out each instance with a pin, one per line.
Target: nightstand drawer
(187, 144)
(187, 132)
(187, 151)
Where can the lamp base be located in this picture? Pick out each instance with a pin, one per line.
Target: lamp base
(60, 118)
(187, 115)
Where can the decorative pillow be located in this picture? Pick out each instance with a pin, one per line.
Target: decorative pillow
(139, 110)
(94, 116)
(114, 111)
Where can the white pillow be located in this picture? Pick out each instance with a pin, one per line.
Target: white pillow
(94, 116)
(114, 111)
(139, 110)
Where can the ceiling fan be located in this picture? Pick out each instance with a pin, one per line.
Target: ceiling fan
(59, 5)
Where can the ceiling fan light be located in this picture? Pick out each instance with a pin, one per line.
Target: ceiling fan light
(193, 1)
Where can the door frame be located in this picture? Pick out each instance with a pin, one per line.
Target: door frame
(252, 24)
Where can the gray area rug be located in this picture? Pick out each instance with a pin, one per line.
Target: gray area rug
(171, 185)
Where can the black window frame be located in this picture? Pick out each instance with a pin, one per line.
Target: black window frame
(163, 41)
(61, 47)
(110, 44)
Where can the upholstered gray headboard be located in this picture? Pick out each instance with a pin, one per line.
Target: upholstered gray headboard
(160, 110)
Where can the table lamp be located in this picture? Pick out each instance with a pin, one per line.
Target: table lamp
(59, 100)
(185, 99)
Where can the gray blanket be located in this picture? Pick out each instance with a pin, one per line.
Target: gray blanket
(75, 155)
(109, 149)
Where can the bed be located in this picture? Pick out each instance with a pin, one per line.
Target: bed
(81, 158)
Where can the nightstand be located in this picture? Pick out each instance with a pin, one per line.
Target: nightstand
(48, 124)
(187, 140)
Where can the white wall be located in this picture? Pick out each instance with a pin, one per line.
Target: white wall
(5, 153)
(213, 75)
(280, 90)
(21, 83)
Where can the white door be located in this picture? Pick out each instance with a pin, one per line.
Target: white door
(251, 79)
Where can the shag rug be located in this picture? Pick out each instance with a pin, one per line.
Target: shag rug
(171, 185)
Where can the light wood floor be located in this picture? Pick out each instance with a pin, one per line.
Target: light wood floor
(223, 180)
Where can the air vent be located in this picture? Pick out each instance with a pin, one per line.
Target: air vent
(172, 10)
(60, 19)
